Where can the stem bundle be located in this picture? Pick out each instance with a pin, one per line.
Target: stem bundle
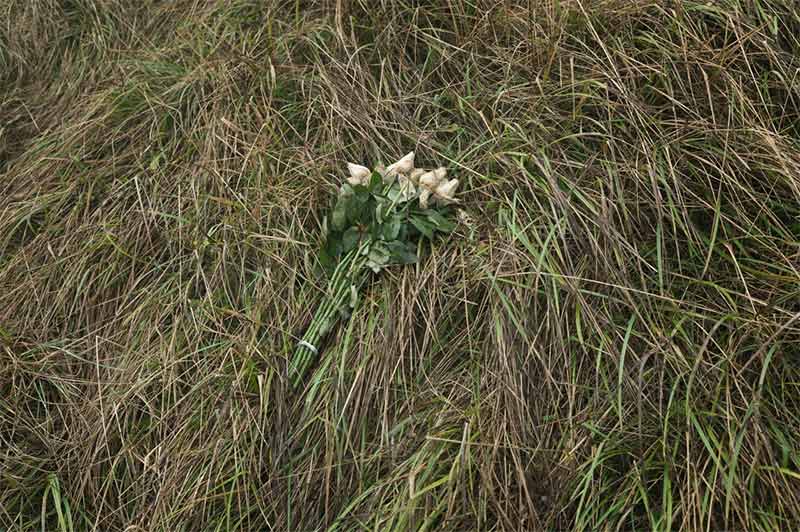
(349, 275)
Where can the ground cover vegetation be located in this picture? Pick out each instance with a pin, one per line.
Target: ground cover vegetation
(607, 339)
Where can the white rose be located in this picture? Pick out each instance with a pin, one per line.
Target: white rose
(403, 166)
(445, 192)
(424, 196)
(358, 174)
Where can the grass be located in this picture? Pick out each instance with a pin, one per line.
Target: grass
(609, 342)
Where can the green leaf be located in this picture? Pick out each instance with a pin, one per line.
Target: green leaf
(362, 191)
(339, 215)
(391, 229)
(350, 239)
(395, 193)
(375, 181)
(379, 252)
(326, 261)
(355, 208)
(380, 211)
(423, 226)
(379, 256)
(402, 252)
(333, 245)
(442, 224)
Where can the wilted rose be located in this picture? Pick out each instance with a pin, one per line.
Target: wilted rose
(445, 192)
(403, 166)
(359, 175)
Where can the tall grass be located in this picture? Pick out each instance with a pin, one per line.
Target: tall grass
(610, 342)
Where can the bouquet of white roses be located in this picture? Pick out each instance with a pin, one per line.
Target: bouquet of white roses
(376, 222)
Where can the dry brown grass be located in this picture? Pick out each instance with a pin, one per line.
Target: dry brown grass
(610, 342)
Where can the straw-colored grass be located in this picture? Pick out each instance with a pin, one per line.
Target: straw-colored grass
(610, 340)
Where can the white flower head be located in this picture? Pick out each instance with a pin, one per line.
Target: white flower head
(403, 166)
(424, 197)
(445, 192)
(359, 175)
(414, 174)
(414, 182)
(432, 179)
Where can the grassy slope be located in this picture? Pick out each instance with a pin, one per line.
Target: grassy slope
(611, 341)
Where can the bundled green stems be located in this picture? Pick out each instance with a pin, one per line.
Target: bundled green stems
(347, 278)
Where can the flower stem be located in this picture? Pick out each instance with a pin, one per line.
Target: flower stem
(349, 274)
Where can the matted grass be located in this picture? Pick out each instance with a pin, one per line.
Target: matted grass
(610, 341)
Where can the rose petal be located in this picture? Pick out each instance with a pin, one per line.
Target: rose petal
(424, 196)
(447, 189)
(414, 174)
(430, 180)
(403, 166)
(358, 172)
